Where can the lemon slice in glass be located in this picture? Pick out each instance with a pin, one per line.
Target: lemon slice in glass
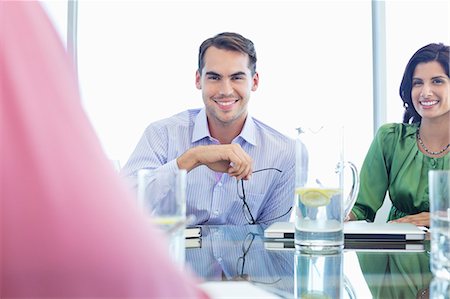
(316, 197)
(315, 295)
(166, 221)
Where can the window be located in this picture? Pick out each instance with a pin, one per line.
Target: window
(410, 25)
(137, 62)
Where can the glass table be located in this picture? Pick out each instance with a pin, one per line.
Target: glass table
(233, 253)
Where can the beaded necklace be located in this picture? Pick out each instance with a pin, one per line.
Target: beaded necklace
(429, 151)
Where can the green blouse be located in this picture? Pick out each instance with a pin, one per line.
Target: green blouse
(395, 164)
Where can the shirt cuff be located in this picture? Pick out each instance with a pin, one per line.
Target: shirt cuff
(171, 166)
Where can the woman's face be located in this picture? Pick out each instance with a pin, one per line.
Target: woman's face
(430, 90)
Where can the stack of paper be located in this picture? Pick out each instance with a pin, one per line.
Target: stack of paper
(192, 235)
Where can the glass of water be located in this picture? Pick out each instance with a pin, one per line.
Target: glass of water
(439, 288)
(439, 186)
(162, 195)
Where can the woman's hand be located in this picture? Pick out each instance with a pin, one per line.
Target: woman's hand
(350, 217)
(421, 219)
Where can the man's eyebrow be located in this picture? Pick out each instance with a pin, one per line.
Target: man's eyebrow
(238, 74)
(210, 73)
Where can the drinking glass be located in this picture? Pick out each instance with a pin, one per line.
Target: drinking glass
(320, 206)
(162, 196)
(439, 189)
(439, 289)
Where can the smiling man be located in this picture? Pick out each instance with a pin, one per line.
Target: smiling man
(239, 169)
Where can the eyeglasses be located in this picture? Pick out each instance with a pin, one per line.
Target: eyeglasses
(246, 245)
(248, 241)
(245, 207)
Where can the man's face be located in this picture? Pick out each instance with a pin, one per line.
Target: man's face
(226, 83)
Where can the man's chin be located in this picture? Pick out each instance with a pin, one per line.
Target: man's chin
(226, 117)
(232, 119)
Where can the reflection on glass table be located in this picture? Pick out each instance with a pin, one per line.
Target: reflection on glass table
(239, 253)
(396, 275)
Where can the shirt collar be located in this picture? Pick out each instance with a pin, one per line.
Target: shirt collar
(411, 130)
(248, 132)
(200, 126)
(201, 129)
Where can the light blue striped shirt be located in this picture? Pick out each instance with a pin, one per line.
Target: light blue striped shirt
(212, 197)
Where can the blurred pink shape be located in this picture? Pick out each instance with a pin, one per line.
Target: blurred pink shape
(69, 228)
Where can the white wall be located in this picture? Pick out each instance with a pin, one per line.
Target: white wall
(137, 62)
(410, 26)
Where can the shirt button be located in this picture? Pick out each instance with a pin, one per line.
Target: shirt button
(216, 212)
(433, 163)
(219, 259)
(219, 184)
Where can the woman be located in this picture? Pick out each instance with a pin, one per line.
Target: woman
(401, 154)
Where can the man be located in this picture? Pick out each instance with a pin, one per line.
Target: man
(221, 145)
